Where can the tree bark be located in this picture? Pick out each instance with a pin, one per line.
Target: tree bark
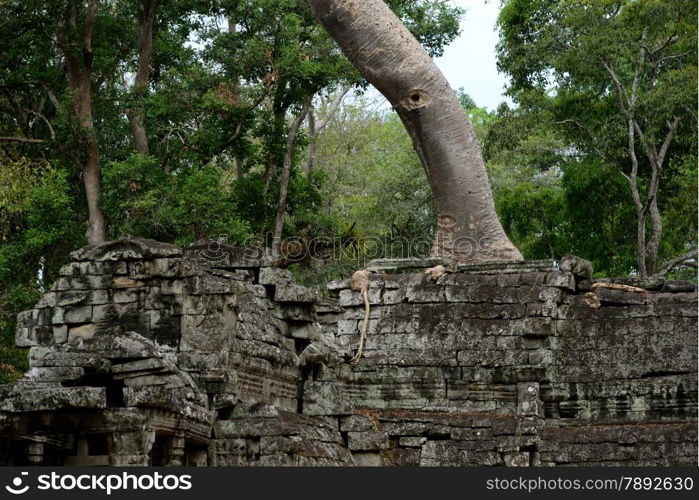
(24, 140)
(312, 140)
(136, 114)
(389, 57)
(79, 69)
(284, 181)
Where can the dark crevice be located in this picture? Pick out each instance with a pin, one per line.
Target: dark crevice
(663, 373)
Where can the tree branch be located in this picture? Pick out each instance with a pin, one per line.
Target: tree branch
(23, 140)
(619, 87)
(239, 126)
(587, 131)
(48, 123)
(688, 259)
(667, 141)
(335, 103)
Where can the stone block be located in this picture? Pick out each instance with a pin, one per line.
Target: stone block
(79, 314)
(274, 276)
(357, 423)
(171, 287)
(295, 293)
(412, 441)
(352, 298)
(367, 459)
(529, 404)
(79, 333)
(561, 279)
(426, 293)
(367, 440)
(126, 282)
(519, 459)
(60, 334)
(32, 336)
(103, 313)
(576, 265)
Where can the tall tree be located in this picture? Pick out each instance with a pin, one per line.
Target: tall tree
(74, 38)
(390, 57)
(623, 74)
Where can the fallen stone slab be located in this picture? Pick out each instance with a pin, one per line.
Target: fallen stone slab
(377, 265)
(54, 398)
(126, 249)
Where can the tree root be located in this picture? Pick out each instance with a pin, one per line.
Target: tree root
(360, 283)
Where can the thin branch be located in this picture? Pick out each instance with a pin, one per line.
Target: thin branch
(673, 38)
(689, 260)
(335, 103)
(667, 141)
(618, 86)
(48, 123)
(587, 131)
(54, 100)
(23, 140)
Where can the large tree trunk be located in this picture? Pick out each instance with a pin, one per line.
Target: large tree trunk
(79, 69)
(136, 114)
(390, 58)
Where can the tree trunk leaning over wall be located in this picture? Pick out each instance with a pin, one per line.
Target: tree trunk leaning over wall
(388, 56)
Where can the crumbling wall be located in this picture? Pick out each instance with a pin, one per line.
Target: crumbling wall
(145, 353)
(140, 347)
(519, 364)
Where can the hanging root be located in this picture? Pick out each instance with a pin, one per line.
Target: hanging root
(360, 283)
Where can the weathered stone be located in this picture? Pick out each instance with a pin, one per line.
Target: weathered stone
(54, 398)
(60, 334)
(493, 364)
(367, 459)
(80, 333)
(576, 265)
(126, 249)
(274, 276)
(520, 459)
(561, 279)
(676, 286)
(77, 314)
(31, 336)
(366, 440)
(357, 423)
(294, 293)
(412, 441)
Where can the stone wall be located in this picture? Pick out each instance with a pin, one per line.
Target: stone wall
(145, 353)
(523, 364)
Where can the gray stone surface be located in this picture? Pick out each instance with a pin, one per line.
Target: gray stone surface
(208, 355)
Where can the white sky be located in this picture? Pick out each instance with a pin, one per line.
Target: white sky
(469, 61)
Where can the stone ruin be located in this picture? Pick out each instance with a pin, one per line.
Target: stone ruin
(144, 353)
